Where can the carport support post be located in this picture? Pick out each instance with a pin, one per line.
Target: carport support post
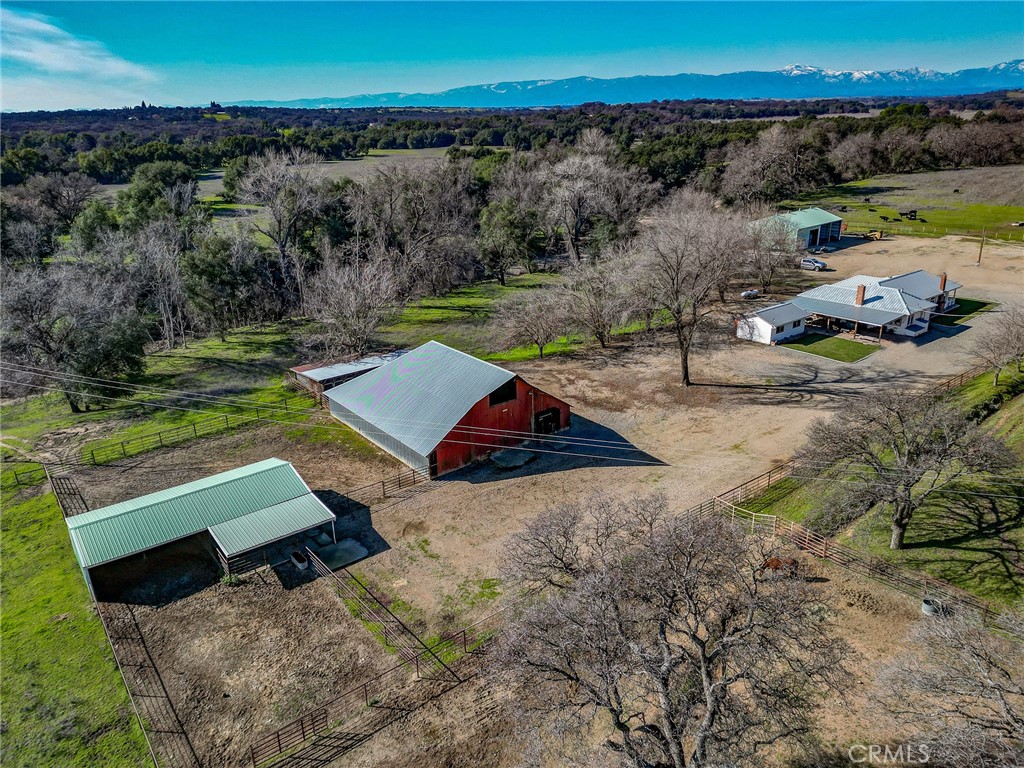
(88, 583)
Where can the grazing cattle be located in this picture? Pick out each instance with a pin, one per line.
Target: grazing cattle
(873, 210)
(897, 220)
(884, 218)
(923, 221)
(786, 565)
(867, 199)
(956, 191)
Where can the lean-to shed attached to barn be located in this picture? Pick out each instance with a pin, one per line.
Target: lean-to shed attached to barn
(438, 409)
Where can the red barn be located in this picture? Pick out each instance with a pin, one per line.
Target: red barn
(439, 409)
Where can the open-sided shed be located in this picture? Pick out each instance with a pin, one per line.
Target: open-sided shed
(438, 409)
(242, 510)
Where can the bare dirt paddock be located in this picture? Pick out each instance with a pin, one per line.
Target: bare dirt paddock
(241, 660)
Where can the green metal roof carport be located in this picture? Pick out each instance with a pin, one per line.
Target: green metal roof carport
(243, 509)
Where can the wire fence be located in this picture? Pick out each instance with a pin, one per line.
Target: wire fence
(892, 575)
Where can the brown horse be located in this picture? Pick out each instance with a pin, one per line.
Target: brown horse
(786, 565)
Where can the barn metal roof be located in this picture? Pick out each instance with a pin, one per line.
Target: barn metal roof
(780, 314)
(336, 370)
(417, 399)
(806, 218)
(136, 525)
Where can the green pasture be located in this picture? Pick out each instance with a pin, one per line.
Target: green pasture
(989, 199)
(970, 535)
(64, 702)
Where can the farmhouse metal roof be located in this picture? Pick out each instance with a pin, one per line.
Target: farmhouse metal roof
(271, 486)
(780, 314)
(805, 218)
(336, 370)
(919, 283)
(416, 399)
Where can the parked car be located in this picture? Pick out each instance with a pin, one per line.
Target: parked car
(813, 264)
(753, 293)
(823, 249)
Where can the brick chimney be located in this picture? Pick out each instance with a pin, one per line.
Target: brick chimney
(860, 296)
(942, 281)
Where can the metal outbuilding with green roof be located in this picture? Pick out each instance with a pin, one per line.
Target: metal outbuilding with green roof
(243, 509)
(810, 226)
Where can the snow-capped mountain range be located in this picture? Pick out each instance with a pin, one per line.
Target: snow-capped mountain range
(796, 81)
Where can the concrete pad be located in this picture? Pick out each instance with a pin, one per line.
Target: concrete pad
(512, 459)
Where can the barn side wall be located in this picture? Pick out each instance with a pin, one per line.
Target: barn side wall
(378, 437)
(464, 446)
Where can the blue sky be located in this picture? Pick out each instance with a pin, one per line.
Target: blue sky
(93, 54)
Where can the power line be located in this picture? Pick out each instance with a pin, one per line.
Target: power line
(594, 444)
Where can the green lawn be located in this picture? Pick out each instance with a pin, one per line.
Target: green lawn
(833, 347)
(989, 199)
(964, 310)
(64, 701)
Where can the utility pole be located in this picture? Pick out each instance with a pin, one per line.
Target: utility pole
(981, 247)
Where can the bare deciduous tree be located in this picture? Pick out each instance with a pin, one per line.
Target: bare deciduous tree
(597, 296)
(351, 300)
(63, 194)
(771, 167)
(656, 630)
(422, 217)
(289, 188)
(536, 318)
(950, 144)
(855, 156)
(962, 685)
(898, 448)
(687, 253)
(576, 192)
(772, 247)
(158, 270)
(1001, 344)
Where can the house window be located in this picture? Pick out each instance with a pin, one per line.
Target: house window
(503, 394)
(780, 328)
(797, 323)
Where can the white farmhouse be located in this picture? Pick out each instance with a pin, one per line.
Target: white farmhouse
(772, 324)
(902, 305)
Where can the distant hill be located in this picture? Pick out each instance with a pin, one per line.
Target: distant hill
(793, 82)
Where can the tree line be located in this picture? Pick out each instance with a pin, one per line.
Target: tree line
(674, 140)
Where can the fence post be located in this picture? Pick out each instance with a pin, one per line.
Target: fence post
(195, 432)
(366, 694)
(160, 437)
(92, 452)
(383, 490)
(124, 453)
(226, 424)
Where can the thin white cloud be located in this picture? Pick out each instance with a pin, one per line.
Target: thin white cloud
(35, 52)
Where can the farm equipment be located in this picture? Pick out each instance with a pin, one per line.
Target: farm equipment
(874, 234)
